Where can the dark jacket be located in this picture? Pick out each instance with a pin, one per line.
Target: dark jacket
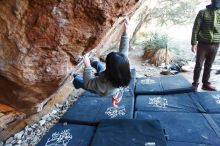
(206, 27)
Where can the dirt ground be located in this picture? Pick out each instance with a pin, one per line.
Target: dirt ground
(143, 68)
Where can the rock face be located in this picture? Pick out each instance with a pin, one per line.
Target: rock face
(40, 42)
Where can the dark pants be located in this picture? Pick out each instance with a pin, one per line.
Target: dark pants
(78, 80)
(207, 53)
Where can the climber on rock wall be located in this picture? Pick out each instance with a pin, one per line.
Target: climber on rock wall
(109, 79)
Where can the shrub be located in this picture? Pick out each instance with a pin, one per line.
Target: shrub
(156, 49)
(156, 41)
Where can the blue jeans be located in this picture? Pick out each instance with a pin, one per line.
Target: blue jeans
(78, 80)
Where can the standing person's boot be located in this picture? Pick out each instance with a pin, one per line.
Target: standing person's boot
(209, 87)
(195, 86)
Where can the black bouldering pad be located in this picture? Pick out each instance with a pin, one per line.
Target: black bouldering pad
(149, 86)
(129, 133)
(209, 101)
(87, 110)
(172, 102)
(163, 85)
(183, 127)
(172, 143)
(176, 84)
(68, 135)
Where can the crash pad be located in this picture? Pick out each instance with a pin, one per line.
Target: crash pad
(126, 132)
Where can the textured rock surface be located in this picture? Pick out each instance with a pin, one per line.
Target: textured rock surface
(40, 42)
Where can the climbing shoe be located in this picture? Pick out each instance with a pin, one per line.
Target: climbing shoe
(208, 87)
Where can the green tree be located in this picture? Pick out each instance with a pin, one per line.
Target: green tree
(165, 12)
(157, 41)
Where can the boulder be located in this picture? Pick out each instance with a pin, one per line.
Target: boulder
(40, 43)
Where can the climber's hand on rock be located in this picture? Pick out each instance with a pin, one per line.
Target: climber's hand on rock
(86, 61)
(126, 24)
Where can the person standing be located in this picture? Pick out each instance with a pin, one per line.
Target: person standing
(205, 42)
